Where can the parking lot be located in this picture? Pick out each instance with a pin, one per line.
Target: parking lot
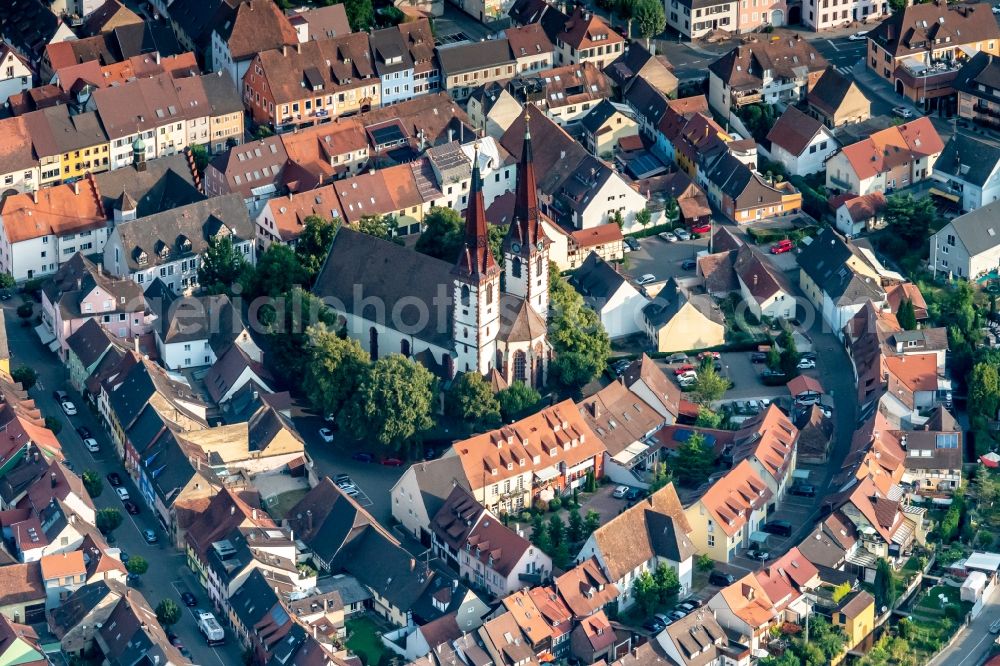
(662, 259)
(744, 375)
(351, 487)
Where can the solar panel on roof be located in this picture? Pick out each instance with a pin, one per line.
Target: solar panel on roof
(388, 134)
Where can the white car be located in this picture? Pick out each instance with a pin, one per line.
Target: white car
(91, 445)
(684, 382)
(326, 435)
(68, 407)
(902, 112)
(620, 492)
(806, 364)
(682, 234)
(690, 374)
(996, 10)
(646, 279)
(122, 493)
(858, 36)
(667, 236)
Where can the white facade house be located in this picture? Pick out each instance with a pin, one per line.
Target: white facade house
(801, 143)
(15, 72)
(820, 15)
(969, 245)
(969, 167)
(611, 295)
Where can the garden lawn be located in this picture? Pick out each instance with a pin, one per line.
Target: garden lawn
(363, 639)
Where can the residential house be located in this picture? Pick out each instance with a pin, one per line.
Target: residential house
(695, 639)
(531, 47)
(894, 157)
(856, 618)
(692, 203)
(606, 241)
(593, 639)
(695, 19)
(836, 100)
(421, 491)
(19, 169)
(76, 620)
(15, 71)
(764, 289)
(467, 65)
(585, 37)
(978, 99)
(22, 593)
(539, 457)
(625, 423)
(821, 17)
(858, 215)
(62, 574)
(968, 245)
(86, 347)
(908, 49)
(769, 441)
(745, 609)
(393, 64)
(604, 125)
(132, 634)
(648, 105)
(933, 458)
(732, 508)
(169, 245)
(68, 146)
(282, 219)
(611, 295)
(800, 142)
(639, 62)
(648, 381)
(492, 109)
(325, 152)
(969, 167)
(838, 278)
(255, 26)
(652, 531)
(583, 590)
(915, 383)
(764, 70)
(803, 388)
(81, 291)
(420, 43)
(745, 196)
(255, 170)
(319, 22)
(234, 373)
(19, 644)
(682, 319)
(288, 87)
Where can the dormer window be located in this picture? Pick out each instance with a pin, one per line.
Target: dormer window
(162, 249)
(141, 257)
(184, 243)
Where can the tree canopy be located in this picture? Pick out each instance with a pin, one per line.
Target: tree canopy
(650, 18)
(380, 226)
(693, 462)
(516, 400)
(222, 265)
(710, 385)
(442, 234)
(471, 401)
(313, 244)
(906, 315)
(393, 403)
(335, 370)
(277, 271)
(577, 335)
(910, 218)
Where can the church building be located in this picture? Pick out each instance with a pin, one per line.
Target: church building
(470, 316)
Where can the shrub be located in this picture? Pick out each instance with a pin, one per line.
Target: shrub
(555, 504)
(705, 562)
(541, 506)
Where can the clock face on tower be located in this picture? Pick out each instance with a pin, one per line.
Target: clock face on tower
(516, 247)
(540, 245)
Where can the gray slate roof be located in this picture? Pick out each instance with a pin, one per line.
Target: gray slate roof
(468, 56)
(969, 157)
(596, 279)
(979, 230)
(825, 262)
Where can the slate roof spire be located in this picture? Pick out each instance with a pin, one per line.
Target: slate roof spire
(525, 229)
(476, 261)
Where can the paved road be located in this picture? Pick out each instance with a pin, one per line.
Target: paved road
(975, 641)
(167, 565)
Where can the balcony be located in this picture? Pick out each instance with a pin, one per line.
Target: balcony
(934, 80)
(842, 184)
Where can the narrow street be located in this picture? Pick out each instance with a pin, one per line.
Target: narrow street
(167, 570)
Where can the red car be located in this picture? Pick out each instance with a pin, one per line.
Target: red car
(782, 246)
(701, 229)
(684, 368)
(709, 354)
(392, 462)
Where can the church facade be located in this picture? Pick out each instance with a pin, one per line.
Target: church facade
(469, 316)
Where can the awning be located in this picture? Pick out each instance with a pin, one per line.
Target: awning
(759, 537)
(801, 474)
(944, 195)
(47, 337)
(630, 453)
(546, 474)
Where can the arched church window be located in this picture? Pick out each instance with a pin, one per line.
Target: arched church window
(520, 366)
(538, 266)
(465, 295)
(404, 348)
(515, 267)
(489, 296)
(465, 333)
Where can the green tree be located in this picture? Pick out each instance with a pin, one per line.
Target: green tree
(201, 158)
(25, 310)
(591, 522)
(774, 358)
(577, 335)
(576, 527)
(25, 376)
(650, 18)
(618, 219)
(646, 593)
(336, 368)
(671, 209)
(644, 217)
(108, 520)
(497, 233)
(53, 424)
(360, 14)
(313, 244)
(137, 565)
(222, 265)
(287, 322)
(841, 591)
(710, 385)
(984, 390)
(693, 461)
(906, 315)
(911, 219)
(667, 583)
(442, 234)
(516, 400)
(393, 403)
(93, 483)
(168, 612)
(885, 584)
(898, 5)
(380, 226)
(557, 530)
(540, 534)
(707, 418)
(278, 271)
(7, 281)
(470, 400)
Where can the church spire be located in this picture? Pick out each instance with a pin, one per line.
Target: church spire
(525, 229)
(476, 261)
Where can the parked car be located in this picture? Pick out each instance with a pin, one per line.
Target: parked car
(326, 435)
(682, 234)
(122, 494)
(686, 606)
(806, 364)
(685, 382)
(667, 236)
(803, 490)
(60, 396)
(149, 535)
(782, 247)
(362, 456)
(635, 494)
(91, 445)
(995, 627)
(902, 112)
(757, 554)
(709, 354)
(688, 264)
(758, 357)
(663, 619)
(646, 279)
(68, 407)
(858, 36)
(114, 479)
(339, 478)
(721, 578)
(779, 528)
(690, 374)
(632, 243)
(392, 462)
(83, 432)
(687, 367)
(188, 599)
(131, 508)
(620, 492)
(807, 400)
(653, 626)
(677, 358)
(995, 10)
(701, 228)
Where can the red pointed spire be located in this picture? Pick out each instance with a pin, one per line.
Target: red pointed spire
(476, 260)
(525, 228)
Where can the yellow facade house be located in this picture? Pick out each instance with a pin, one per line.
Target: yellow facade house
(856, 618)
(68, 147)
(681, 322)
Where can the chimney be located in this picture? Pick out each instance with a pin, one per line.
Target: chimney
(254, 514)
(595, 409)
(136, 345)
(34, 196)
(284, 50)
(53, 479)
(232, 510)
(309, 519)
(76, 187)
(100, 268)
(298, 47)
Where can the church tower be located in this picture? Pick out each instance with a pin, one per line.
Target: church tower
(526, 247)
(476, 304)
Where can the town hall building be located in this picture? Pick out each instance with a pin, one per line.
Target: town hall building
(462, 317)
